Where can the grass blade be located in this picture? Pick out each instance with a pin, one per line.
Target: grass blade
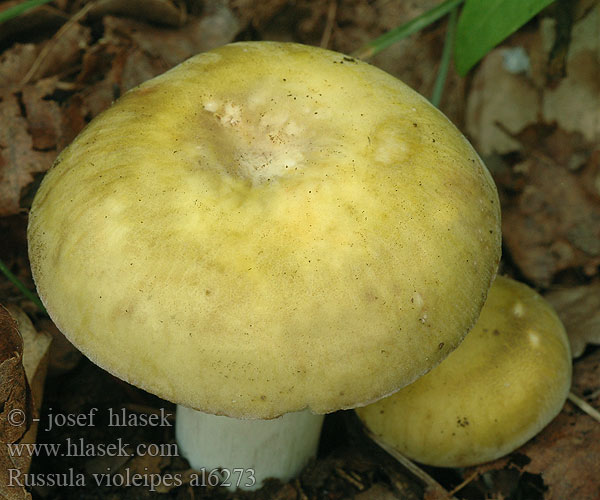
(17, 10)
(440, 81)
(384, 41)
(24, 290)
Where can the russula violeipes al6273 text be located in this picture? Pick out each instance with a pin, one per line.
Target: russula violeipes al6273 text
(265, 229)
(506, 381)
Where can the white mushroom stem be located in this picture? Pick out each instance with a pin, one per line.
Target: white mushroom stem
(248, 451)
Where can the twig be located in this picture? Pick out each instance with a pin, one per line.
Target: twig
(584, 406)
(440, 81)
(50, 44)
(594, 394)
(331, 11)
(418, 23)
(352, 480)
(469, 478)
(412, 467)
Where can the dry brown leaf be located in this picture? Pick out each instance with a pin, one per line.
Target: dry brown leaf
(166, 47)
(574, 104)
(15, 402)
(502, 103)
(257, 14)
(567, 452)
(43, 116)
(579, 310)
(61, 53)
(499, 101)
(154, 11)
(18, 160)
(15, 62)
(14, 396)
(43, 18)
(33, 128)
(101, 75)
(376, 492)
(132, 52)
(52, 126)
(550, 224)
(36, 347)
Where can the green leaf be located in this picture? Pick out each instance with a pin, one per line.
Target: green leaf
(17, 10)
(483, 24)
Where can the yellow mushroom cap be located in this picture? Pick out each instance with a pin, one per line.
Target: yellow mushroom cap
(267, 227)
(506, 381)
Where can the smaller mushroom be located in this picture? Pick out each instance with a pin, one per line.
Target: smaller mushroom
(507, 380)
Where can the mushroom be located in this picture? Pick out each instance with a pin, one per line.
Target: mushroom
(267, 229)
(506, 381)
